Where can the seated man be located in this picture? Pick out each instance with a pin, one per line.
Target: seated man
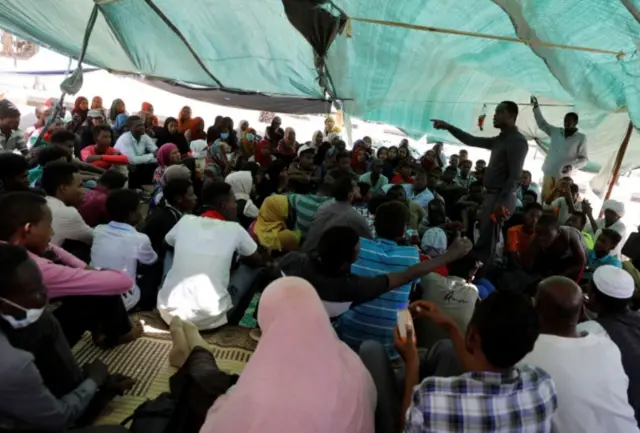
(343, 169)
(578, 220)
(587, 402)
(306, 206)
(329, 270)
(42, 388)
(465, 179)
(101, 154)
(89, 300)
(375, 178)
(66, 140)
(304, 177)
(140, 150)
(14, 173)
(455, 295)
(566, 204)
(61, 181)
(417, 213)
(404, 174)
(376, 319)
(337, 213)
(118, 245)
(494, 393)
(602, 253)
(555, 250)
(609, 296)
(93, 208)
(46, 155)
(519, 237)
(196, 287)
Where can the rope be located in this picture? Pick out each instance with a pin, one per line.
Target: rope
(70, 82)
(618, 54)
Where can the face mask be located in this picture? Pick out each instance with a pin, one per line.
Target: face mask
(31, 317)
(224, 135)
(249, 137)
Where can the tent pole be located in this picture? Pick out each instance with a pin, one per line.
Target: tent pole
(618, 162)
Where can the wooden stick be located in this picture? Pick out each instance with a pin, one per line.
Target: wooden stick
(618, 164)
(618, 54)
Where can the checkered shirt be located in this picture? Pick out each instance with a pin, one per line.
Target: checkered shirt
(521, 401)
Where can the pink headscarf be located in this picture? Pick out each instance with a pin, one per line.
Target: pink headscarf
(164, 154)
(301, 377)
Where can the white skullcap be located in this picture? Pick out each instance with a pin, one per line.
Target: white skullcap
(614, 282)
(304, 148)
(614, 205)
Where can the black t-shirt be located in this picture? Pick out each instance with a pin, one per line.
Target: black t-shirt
(337, 287)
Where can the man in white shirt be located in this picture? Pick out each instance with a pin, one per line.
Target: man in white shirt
(586, 368)
(613, 212)
(63, 185)
(567, 148)
(196, 287)
(118, 245)
(565, 205)
(610, 294)
(140, 149)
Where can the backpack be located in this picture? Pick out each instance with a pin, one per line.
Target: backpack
(152, 416)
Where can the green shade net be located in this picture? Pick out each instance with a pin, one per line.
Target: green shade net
(382, 73)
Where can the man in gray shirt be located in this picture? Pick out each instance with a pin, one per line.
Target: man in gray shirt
(41, 384)
(11, 138)
(508, 152)
(337, 213)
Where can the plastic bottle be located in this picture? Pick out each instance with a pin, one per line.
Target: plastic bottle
(404, 319)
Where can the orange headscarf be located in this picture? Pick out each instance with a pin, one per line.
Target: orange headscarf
(195, 134)
(184, 124)
(96, 103)
(358, 166)
(147, 109)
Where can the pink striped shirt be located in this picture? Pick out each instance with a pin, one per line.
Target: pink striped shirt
(73, 278)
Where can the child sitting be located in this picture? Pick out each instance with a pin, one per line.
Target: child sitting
(601, 253)
(118, 245)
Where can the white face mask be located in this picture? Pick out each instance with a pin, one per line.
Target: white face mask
(31, 317)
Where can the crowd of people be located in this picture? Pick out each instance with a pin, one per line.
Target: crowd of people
(523, 313)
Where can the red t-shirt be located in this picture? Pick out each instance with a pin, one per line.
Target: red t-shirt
(397, 179)
(110, 157)
(214, 214)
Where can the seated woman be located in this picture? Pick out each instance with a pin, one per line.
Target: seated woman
(292, 318)
(555, 250)
(241, 183)
(170, 133)
(90, 300)
(167, 156)
(272, 228)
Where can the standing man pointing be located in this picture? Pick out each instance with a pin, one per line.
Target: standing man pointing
(567, 148)
(508, 152)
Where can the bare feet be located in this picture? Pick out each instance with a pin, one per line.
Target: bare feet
(180, 349)
(193, 337)
(137, 329)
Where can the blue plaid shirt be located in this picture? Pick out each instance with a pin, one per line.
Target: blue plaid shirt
(521, 401)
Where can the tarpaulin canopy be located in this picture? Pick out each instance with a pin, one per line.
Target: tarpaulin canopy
(381, 71)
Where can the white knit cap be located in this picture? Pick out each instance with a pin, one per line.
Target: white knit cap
(304, 148)
(614, 205)
(614, 282)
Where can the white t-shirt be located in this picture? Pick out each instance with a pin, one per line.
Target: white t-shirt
(563, 208)
(195, 288)
(67, 223)
(121, 247)
(591, 383)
